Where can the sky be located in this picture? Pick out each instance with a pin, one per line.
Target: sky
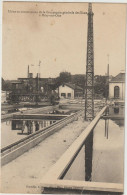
(60, 43)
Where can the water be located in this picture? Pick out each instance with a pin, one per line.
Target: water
(101, 158)
(11, 130)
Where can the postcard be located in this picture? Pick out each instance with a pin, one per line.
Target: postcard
(63, 97)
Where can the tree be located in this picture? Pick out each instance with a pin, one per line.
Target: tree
(79, 80)
(6, 85)
(3, 84)
(64, 77)
(100, 86)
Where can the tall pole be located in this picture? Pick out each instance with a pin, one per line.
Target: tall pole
(89, 89)
(38, 73)
(107, 83)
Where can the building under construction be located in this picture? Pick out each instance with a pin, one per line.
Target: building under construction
(31, 89)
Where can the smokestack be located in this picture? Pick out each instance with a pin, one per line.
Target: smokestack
(28, 72)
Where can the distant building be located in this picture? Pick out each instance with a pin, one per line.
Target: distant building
(117, 87)
(71, 91)
(3, 96)
(34, 84)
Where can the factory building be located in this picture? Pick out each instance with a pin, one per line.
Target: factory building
(71, 91)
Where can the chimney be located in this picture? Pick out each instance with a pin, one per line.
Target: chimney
(28, 72)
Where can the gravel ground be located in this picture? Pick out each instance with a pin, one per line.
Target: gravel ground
(23, 174)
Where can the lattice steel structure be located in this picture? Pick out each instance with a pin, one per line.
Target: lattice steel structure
(89, 92)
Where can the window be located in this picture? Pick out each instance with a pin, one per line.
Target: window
(63, 94)
(69, 95)
(116, 92)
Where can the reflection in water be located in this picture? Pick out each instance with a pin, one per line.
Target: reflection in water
(106, 127)
(16, 124)
(8, 122)
(81, 168)
(119, 122)
(11, 130)
(100, 159)
(88, 156)
(30, 126)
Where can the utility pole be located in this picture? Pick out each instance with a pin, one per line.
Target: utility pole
(89, 91)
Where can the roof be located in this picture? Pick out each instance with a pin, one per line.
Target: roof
(120, 78)
(73, 86)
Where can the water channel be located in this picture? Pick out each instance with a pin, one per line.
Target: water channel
(11, 130)
(101, 159)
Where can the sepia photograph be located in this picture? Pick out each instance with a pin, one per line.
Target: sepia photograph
(63, 97)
